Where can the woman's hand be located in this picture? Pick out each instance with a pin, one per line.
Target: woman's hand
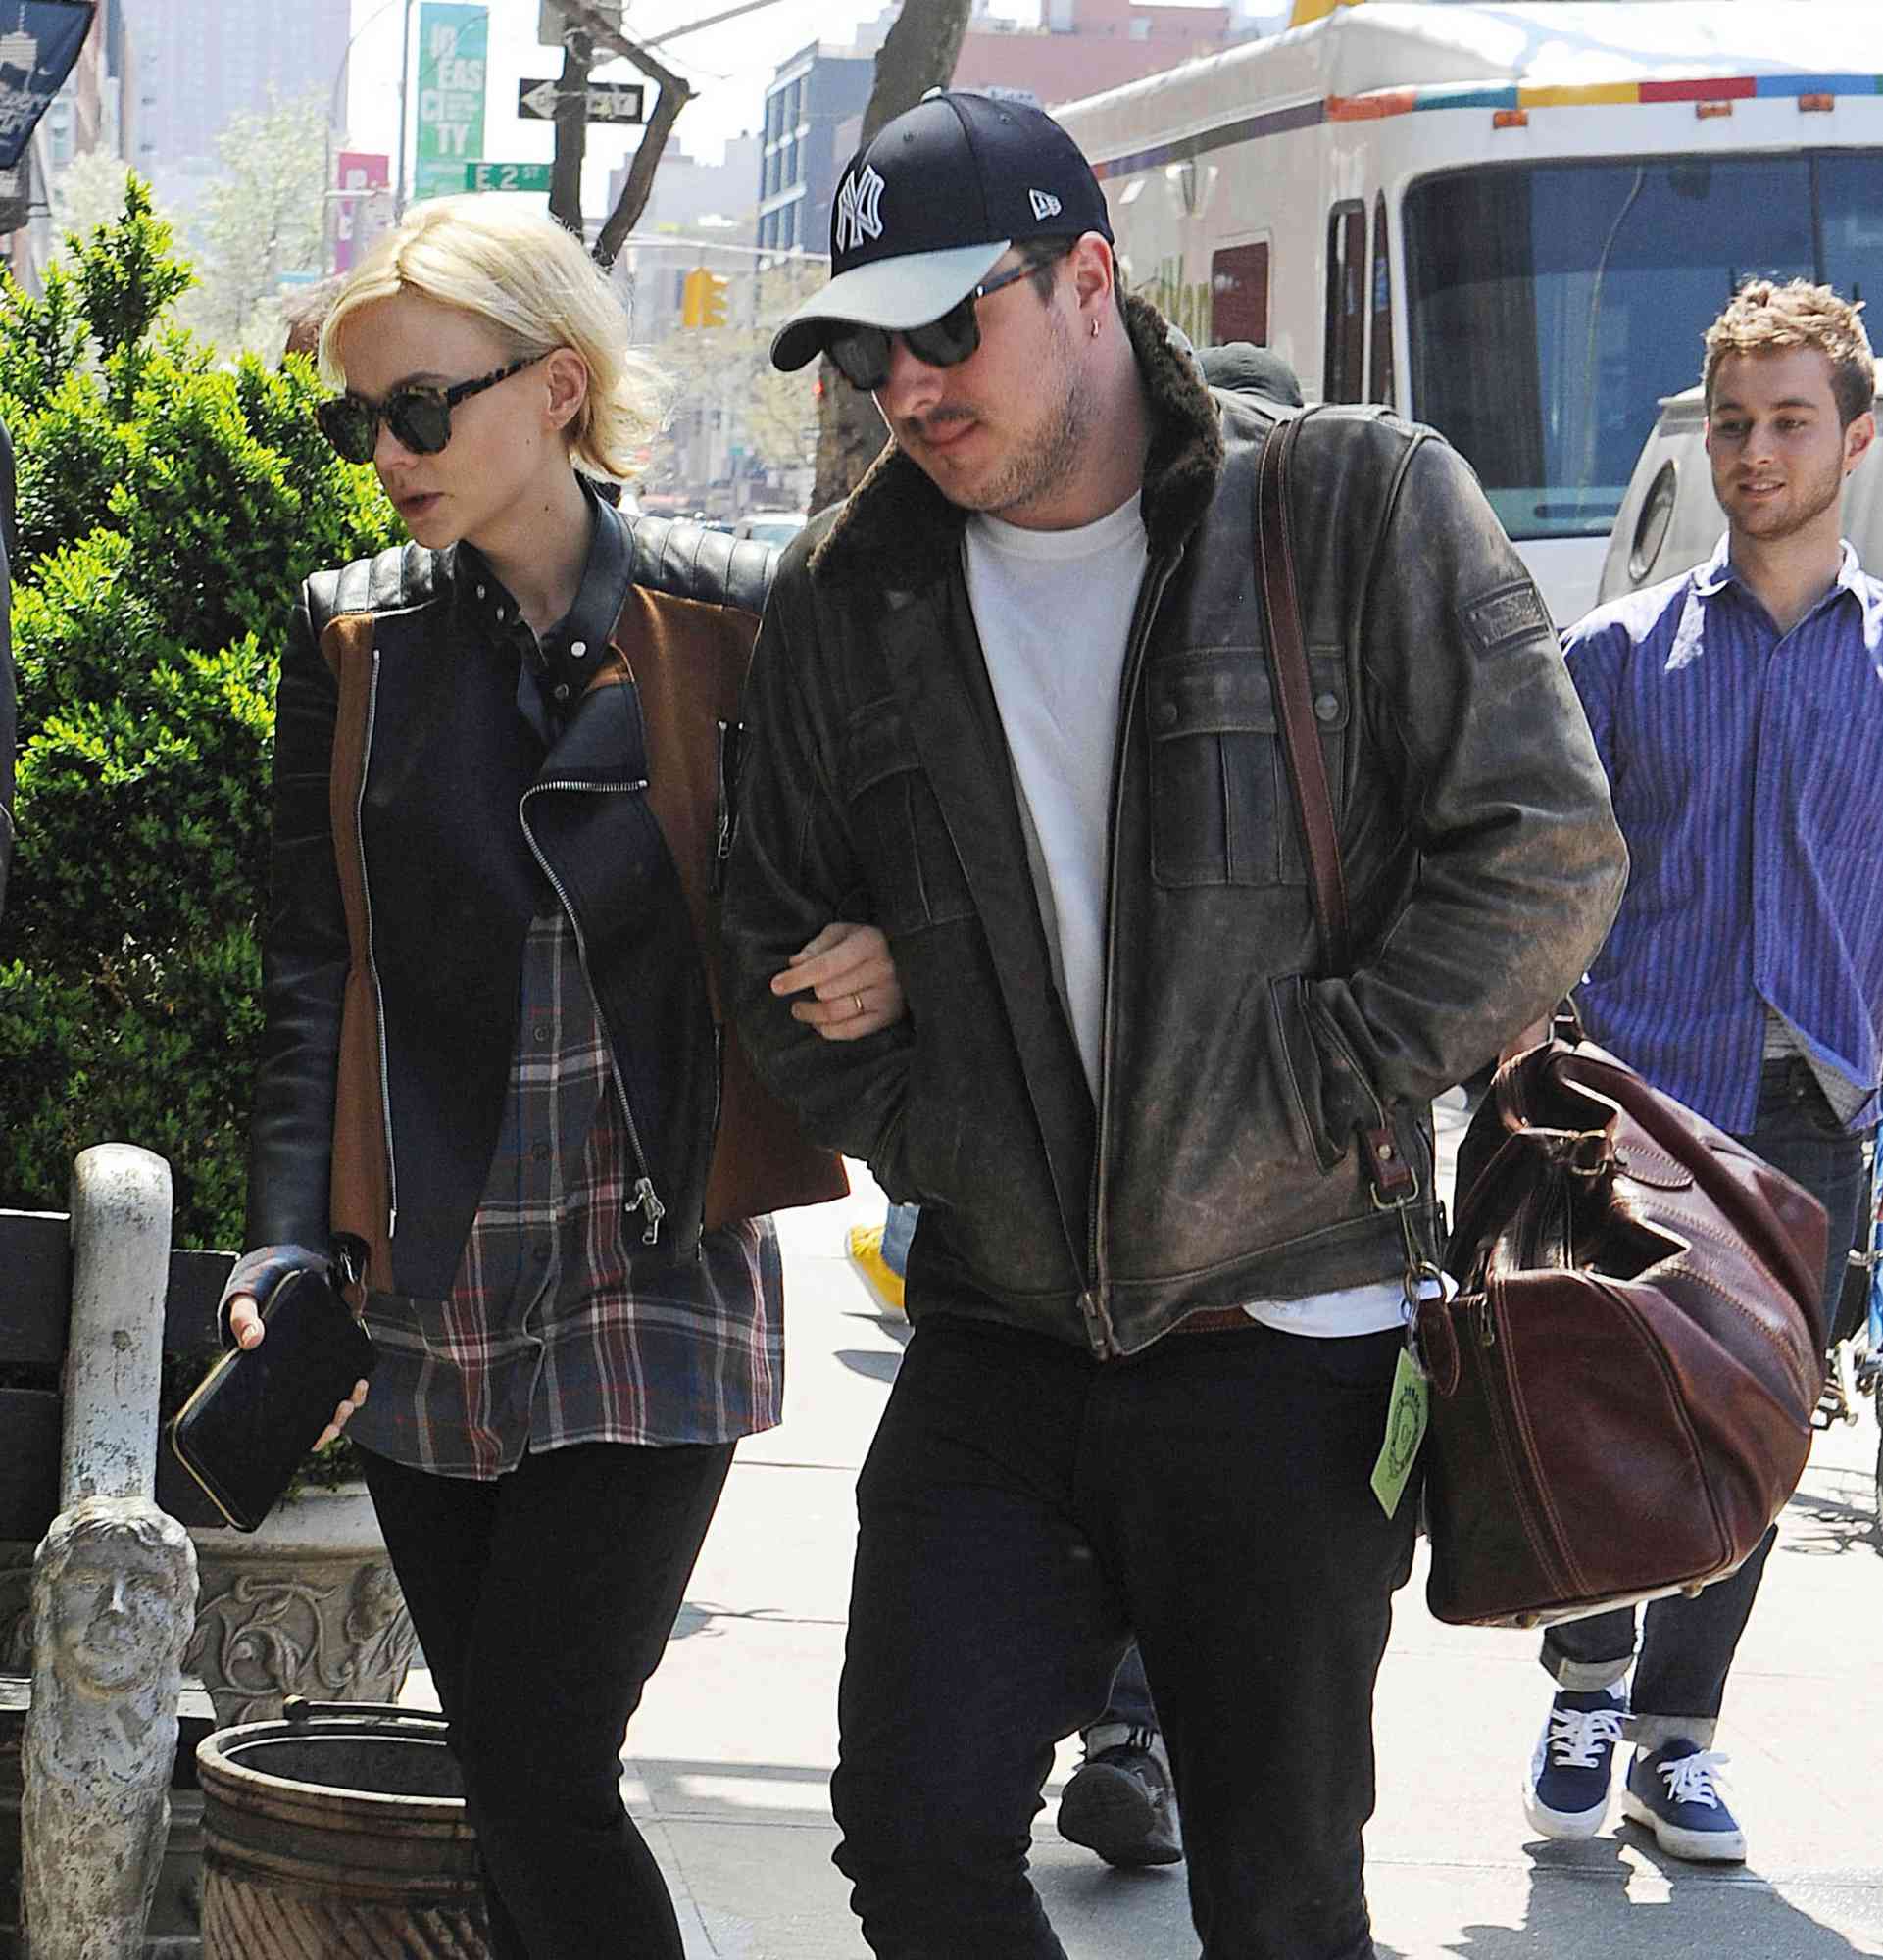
(250, 1329)
(850, 982)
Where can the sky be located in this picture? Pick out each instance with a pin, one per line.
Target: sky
(728, 65)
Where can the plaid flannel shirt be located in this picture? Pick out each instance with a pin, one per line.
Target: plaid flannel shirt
(550, 1336)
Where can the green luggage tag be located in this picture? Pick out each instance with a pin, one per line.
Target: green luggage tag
(1405, 1417)
(1409, 1406)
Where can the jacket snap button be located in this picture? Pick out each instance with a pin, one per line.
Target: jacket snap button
(1327, 705)
(1168, 715)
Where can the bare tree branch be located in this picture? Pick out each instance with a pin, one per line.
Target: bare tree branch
(676, 93)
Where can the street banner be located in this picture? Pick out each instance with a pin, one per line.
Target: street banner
(364, 207)
(452, 51)
(40, 41)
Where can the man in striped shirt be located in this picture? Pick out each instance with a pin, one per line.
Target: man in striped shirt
(1739, 713)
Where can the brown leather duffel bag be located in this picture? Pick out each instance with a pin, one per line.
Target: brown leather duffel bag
(1623, 1389)
(1621, 1393)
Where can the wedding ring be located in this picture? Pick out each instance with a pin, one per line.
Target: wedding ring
(858, 998)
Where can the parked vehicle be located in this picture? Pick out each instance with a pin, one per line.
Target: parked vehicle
(770, 527)
(1511, 222)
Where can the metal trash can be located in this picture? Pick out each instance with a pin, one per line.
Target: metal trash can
(338, 1830)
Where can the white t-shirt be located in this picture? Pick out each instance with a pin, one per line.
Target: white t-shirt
(1053, 609)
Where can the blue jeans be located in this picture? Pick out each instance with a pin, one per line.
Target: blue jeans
(898, 1233)
(1687, 1646)
(1024, 1511)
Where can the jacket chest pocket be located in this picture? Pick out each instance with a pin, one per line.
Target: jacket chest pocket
(916, 875)
(1222, 809)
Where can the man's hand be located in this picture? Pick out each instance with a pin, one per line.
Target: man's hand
(850, 981)
(249, 1330)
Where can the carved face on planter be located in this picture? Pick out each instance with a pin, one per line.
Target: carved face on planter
(109, 1581)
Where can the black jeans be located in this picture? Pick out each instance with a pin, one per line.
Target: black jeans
(1687, 1646)
(543, 1602)
(1024, 1509)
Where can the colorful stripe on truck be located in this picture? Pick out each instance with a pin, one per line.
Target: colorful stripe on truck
(1809, 91)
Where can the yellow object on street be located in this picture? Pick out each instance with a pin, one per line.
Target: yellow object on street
(866, 1252)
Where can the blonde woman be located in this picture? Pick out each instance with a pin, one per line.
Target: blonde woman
(495, 1094)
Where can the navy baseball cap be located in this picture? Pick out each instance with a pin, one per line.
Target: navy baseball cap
(922, 212)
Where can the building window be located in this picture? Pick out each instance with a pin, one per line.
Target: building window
(1239, 294)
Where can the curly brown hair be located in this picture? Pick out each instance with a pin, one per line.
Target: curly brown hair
(1764, 317)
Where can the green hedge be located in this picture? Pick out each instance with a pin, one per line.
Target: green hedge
(169, 506)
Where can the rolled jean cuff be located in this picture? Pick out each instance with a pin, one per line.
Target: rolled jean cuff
(1583, 1677)
(1650, 1732)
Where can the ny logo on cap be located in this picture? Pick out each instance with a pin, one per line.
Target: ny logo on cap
(859, 213)
(1045, 203)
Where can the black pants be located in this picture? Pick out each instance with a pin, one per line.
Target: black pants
(1023, 1510)
(543, 1602)
(1687, 1646)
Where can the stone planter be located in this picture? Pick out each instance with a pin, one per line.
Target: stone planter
(307, 1606)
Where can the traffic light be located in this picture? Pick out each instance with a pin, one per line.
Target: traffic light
(703, 298)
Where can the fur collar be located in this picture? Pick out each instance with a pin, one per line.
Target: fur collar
(898, 531)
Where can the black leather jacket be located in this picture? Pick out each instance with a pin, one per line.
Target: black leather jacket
(418, 826)
(1481, 857)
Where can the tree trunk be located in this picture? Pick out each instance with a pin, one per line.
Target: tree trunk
(674, 95)
(918, 55)
(571, 131)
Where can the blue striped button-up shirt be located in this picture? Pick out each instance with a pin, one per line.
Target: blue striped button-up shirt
(1747, 766)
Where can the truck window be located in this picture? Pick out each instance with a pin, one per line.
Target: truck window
(1551, 307)
(1344, 366)
(1239, 294)
(1382, 388)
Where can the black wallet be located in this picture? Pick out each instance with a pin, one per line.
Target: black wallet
(258, 1412)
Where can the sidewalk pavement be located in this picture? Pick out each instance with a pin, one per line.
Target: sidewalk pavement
(728, 1758)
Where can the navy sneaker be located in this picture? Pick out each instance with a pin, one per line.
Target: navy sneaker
(1566, 1792)
(1674, 1793)
(1120, 1804)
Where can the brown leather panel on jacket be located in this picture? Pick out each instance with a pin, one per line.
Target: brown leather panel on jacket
(689, 661)
(361, 1178)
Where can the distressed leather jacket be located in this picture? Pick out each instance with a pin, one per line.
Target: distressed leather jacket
(1218, 1162)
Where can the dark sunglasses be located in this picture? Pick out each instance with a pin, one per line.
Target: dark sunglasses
(862, 353)
(419, 416)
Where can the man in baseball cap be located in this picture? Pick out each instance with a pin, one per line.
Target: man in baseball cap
(1011, 703)
(924, 213)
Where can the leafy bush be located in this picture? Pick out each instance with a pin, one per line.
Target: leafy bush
(169, 506)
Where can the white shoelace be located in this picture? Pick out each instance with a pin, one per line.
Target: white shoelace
(1690, 1779)
(1575, 1734)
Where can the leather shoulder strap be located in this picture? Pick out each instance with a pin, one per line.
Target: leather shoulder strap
(1289, 678)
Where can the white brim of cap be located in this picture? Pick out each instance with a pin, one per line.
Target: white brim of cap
(892, 293)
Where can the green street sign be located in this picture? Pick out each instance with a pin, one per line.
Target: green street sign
(507, 176)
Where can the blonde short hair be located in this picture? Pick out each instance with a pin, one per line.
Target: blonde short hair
(1764, 317)
(530, 281)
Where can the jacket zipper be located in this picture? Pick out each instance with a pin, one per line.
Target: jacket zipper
(1098, 1322)
(645, 1199)
(372, 964)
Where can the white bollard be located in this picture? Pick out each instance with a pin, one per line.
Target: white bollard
(113, 1590)
(120, 1212)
